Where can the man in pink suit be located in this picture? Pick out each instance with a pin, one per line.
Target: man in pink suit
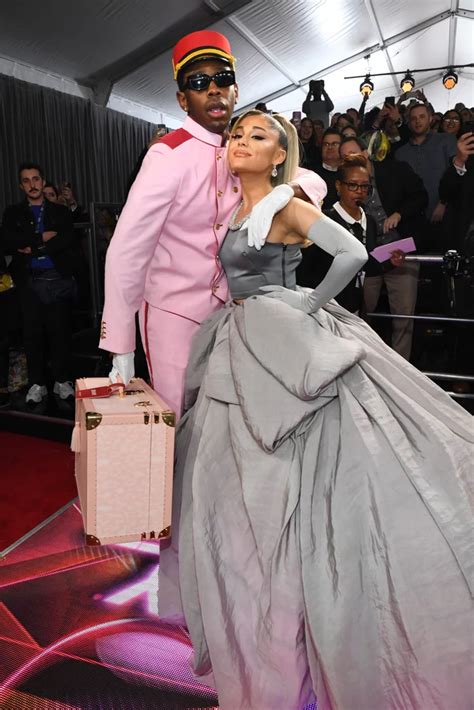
(163, 260)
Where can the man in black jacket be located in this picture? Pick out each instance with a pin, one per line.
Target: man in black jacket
(397, 203)
(456, 190)
(39, 236)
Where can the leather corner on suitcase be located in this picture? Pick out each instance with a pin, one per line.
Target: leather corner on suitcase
(92, 540)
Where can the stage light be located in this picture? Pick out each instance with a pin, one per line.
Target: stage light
(407, 83)
(366, 87)
(450, 79)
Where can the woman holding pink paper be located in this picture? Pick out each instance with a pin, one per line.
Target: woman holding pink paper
(397, 201)
(353, 186)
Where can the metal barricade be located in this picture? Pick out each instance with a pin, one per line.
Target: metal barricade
(453, 265)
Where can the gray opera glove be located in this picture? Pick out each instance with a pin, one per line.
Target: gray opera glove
(349, 257)
(123, 366)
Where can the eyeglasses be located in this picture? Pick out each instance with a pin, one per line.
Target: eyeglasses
(331, 145)
(363, 186)
(451, 120)
(199, 82)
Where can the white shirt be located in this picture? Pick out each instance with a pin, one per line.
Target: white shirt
(350, 220)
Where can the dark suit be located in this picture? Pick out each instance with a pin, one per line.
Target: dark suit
(41, 314)
(401, 190)
(18, 232)
(457, 191)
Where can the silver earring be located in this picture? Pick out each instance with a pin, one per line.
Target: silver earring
(274, 171)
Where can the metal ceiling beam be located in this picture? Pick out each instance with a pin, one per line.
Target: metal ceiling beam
(430, 22)
(374, 19)
(201, 17)
(452, 30)
(464, 12)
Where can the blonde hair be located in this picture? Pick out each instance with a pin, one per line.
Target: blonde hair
(288, 140)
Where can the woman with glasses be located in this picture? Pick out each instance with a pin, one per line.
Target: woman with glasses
(320, 479)
(353, 186)
(451, 123)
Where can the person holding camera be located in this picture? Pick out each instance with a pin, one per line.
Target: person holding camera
(456, 190)
(317, 105)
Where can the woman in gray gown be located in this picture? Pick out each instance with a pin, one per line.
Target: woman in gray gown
(321, 494)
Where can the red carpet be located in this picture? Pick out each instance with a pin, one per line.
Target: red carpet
(37, 480)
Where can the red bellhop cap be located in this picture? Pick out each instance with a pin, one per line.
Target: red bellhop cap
(200, 45)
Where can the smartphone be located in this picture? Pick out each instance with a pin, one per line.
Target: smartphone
(390, 100)
(296, 119)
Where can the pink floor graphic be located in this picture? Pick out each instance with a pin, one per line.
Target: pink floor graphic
(79, 627)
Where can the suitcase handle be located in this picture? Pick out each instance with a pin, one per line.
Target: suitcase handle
(104, 391)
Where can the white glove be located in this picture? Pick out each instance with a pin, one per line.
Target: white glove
(123, 367)
(349, 257)
(261, 216)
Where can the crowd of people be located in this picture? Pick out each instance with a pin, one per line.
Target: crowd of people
(417, 180)
(418, 174)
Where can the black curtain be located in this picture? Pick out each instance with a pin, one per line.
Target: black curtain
(94, 148)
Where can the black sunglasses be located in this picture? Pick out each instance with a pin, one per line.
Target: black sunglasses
(199, 82)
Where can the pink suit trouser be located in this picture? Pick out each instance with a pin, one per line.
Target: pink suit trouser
(167, 342)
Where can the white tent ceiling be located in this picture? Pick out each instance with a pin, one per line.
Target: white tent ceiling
(118, 52)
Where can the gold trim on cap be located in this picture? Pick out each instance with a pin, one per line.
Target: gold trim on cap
(203, 52)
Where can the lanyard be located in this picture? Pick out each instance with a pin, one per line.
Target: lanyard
(39, 218)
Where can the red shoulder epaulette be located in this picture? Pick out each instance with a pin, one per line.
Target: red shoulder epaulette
(175, 138)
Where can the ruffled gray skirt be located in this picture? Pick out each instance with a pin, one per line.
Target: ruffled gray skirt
(322, 518)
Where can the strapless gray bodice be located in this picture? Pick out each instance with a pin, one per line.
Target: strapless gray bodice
(247, 269)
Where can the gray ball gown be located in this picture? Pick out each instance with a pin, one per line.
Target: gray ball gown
(321, 511)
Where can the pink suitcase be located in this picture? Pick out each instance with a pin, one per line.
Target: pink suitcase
(124, 445)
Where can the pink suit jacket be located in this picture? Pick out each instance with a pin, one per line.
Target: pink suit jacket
(165, 249)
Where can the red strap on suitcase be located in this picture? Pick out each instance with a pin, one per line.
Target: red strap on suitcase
(98, 392)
